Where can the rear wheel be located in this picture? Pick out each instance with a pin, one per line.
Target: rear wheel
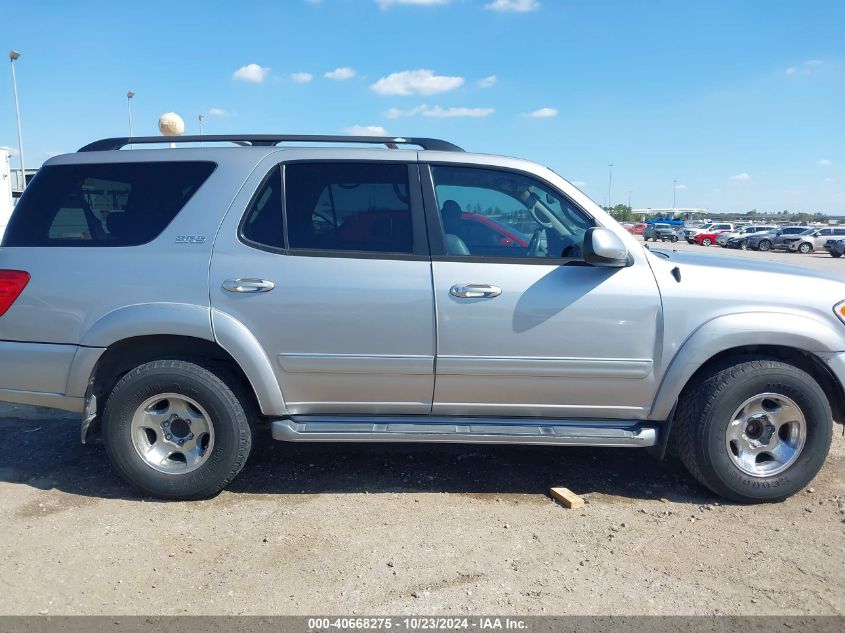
(706, 241)
(835, 254)
(176, 430)
(674, 239)
(755, 431)
(764, 245)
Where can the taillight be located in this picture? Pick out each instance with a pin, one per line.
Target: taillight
(12, 283)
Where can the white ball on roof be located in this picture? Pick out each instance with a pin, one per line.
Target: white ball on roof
(171, 124)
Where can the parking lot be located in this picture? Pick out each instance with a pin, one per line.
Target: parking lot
(411, 529)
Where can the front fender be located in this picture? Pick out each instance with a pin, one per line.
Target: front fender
(732, 331)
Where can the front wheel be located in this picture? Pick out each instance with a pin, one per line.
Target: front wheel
(176, 430)
(764, 245)
(706, 241)
(805, 248)
(674, 239)
(755, 431)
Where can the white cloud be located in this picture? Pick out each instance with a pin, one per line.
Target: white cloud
(439, 113)
(386, 4)
(314, 1)
(488, 82)
(824, 162)
(680, 187)
(366, 130)
(340, 74)
(806, 68)
(219, 112)
(422, 82)
(513, 6)
(828, 179)
(301, 78)
(578, 183)
(252, 73)
(544, 113)
(741, 177)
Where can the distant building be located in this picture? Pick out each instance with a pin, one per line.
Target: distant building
(681, 212)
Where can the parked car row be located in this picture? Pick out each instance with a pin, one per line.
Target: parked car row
(794, 239)
(662, 232)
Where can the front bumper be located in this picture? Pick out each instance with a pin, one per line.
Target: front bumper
(836, 363)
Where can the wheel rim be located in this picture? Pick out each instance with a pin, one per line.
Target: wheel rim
(766, 435)
(172, 433)
(804, 248)
(706, 241)
(764, 245)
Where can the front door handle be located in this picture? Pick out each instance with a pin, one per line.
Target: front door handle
(475, 291)
(248, 285)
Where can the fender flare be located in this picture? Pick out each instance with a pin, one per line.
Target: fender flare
(148, 319)
(241, 344)
(179, 319)
(731, 331)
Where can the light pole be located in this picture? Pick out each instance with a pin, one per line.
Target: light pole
(674, 193)
(129, 96)
(13, 56)
(201, 118)
(609, 185)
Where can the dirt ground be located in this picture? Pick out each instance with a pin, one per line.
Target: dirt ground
(374, 529)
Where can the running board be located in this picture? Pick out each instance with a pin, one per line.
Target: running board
(317, 428)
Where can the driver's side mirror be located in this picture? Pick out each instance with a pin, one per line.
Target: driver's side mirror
(602, 247)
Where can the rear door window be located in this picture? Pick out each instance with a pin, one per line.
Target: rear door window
(357, 207)
(113, 204)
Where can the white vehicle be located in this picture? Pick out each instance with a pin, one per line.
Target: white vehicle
(746, 231)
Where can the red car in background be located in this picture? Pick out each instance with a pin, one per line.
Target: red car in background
(706, 238)
(634, 228)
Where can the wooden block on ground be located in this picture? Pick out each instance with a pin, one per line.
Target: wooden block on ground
(568, 498)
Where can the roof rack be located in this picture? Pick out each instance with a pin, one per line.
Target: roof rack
(270, 140)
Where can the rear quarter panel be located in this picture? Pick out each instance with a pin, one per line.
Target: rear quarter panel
(72, 289)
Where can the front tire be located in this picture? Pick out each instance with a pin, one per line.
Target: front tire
(754, 431)
(764, 245)
(706, 241)
(177, 430)
(804, 248)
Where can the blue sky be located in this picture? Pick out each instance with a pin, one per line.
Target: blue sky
(743, 102)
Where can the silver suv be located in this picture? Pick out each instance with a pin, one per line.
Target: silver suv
(177, 297)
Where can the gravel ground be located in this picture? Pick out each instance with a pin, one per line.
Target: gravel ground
(371, 529)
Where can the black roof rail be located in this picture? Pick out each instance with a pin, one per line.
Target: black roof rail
(270, 140)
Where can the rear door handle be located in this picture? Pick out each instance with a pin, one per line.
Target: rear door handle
(475, 291)
(248, 285)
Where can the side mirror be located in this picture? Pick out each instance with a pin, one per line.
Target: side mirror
(602, 247)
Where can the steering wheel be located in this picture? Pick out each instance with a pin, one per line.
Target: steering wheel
(533, 211)
(535, 248)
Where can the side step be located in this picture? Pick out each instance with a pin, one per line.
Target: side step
(318, 428)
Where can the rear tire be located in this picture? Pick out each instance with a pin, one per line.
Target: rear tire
(764, 245)
(706, 241)
(834, 254)
(796, 423)
(149, 423)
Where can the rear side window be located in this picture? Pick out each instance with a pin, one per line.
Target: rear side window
(348, 207)
(263, 223)
(115, 204)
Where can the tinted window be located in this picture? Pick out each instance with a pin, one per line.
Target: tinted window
(533, 220)
(348, 207)
(839, 231)
(263, 223)
(118, 204)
